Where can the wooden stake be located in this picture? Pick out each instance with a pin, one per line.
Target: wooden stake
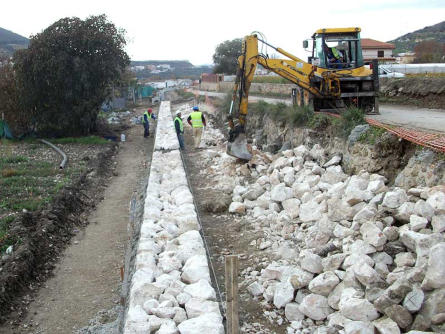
(232, 267)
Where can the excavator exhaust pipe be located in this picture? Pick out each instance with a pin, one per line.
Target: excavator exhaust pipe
(238, 147)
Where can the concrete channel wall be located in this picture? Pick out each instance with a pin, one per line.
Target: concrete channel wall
(171, 288)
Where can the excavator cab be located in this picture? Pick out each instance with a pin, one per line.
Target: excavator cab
(337, 49)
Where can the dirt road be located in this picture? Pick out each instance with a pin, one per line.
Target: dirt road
(87, 279)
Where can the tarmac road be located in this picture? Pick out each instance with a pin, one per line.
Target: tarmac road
(412, 117)
(432, 120)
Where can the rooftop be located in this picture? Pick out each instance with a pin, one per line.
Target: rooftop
(368, 43)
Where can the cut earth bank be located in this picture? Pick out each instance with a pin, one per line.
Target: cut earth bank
(326, 243)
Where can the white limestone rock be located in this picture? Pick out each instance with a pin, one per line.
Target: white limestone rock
(195, 269)
(202, 289)
(299, 189)
(292, 312)
(437, 202)
(168, 328)
(254, 192)
(196, 307)
(136, 321)
(315, 307)
(324, 283)
(358, 327)
(284, 293)
(312, 211)
(335, 160)
(373, 235)
(339, 209)
(206, 323)
(438, 223)
(386, 326)
(310, 262)
(416, 223)
(366, 274)
(420, 244)
(255, 289)
(435, 274)
(168, 261)
(404, 211)
(279, 193)
(394, 199)
(356, 308)
(423, 209)
(292, 207)
(237, 207)
(365, 215)
(413, 300)
(405, 259)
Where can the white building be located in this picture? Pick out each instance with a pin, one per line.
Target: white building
(373, 49)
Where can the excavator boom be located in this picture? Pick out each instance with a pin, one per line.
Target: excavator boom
(324, 84)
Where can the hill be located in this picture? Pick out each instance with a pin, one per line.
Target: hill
(167, 69)
(10, 41)
(407, 42)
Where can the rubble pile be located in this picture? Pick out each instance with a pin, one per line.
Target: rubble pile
(353, 255)
(171, 289)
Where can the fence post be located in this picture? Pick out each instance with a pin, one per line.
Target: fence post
(232, 267)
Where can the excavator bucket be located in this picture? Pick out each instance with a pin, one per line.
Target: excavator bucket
(238, 148)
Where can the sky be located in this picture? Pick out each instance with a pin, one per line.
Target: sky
(191, 29)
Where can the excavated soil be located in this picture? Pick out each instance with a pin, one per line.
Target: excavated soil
(68, 267)
(227, 234)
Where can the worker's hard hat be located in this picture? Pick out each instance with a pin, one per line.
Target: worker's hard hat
(195, 108)
(178, 112)
(149, 110)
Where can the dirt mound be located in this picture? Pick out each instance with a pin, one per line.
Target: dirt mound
(420, 91)
(44, 235)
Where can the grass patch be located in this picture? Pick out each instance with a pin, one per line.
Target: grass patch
(185, 95)
(349, 119)
(425, 75)
(270, 79)
(90, 140)
(371, 136)
(13, 159)
(5, 239)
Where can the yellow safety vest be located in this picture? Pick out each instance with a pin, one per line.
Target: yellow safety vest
(196, 119)
(148, 117)
(181, 126)
(336, 53)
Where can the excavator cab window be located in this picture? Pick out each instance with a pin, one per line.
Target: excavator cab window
(338, 51)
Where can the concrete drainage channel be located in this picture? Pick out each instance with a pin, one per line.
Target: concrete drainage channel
(170, 288)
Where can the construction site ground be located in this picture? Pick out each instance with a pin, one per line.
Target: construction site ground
(86, 280)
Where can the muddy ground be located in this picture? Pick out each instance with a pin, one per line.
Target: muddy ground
(83, 271)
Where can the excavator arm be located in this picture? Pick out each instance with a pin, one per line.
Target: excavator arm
(294, 69)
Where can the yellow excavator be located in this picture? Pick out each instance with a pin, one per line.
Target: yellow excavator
(333, 78)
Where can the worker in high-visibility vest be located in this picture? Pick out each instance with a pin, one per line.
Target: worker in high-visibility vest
(148, 114)
(179, 127)
(197, 121)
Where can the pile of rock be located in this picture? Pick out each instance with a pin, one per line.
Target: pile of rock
(171, 289)
(364, 257)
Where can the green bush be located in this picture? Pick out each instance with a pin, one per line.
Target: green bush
(349, 119)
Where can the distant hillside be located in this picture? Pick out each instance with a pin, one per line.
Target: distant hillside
(406, 42)
(175, 69)
(9, 41)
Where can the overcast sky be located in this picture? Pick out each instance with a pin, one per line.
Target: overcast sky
(191, 29)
